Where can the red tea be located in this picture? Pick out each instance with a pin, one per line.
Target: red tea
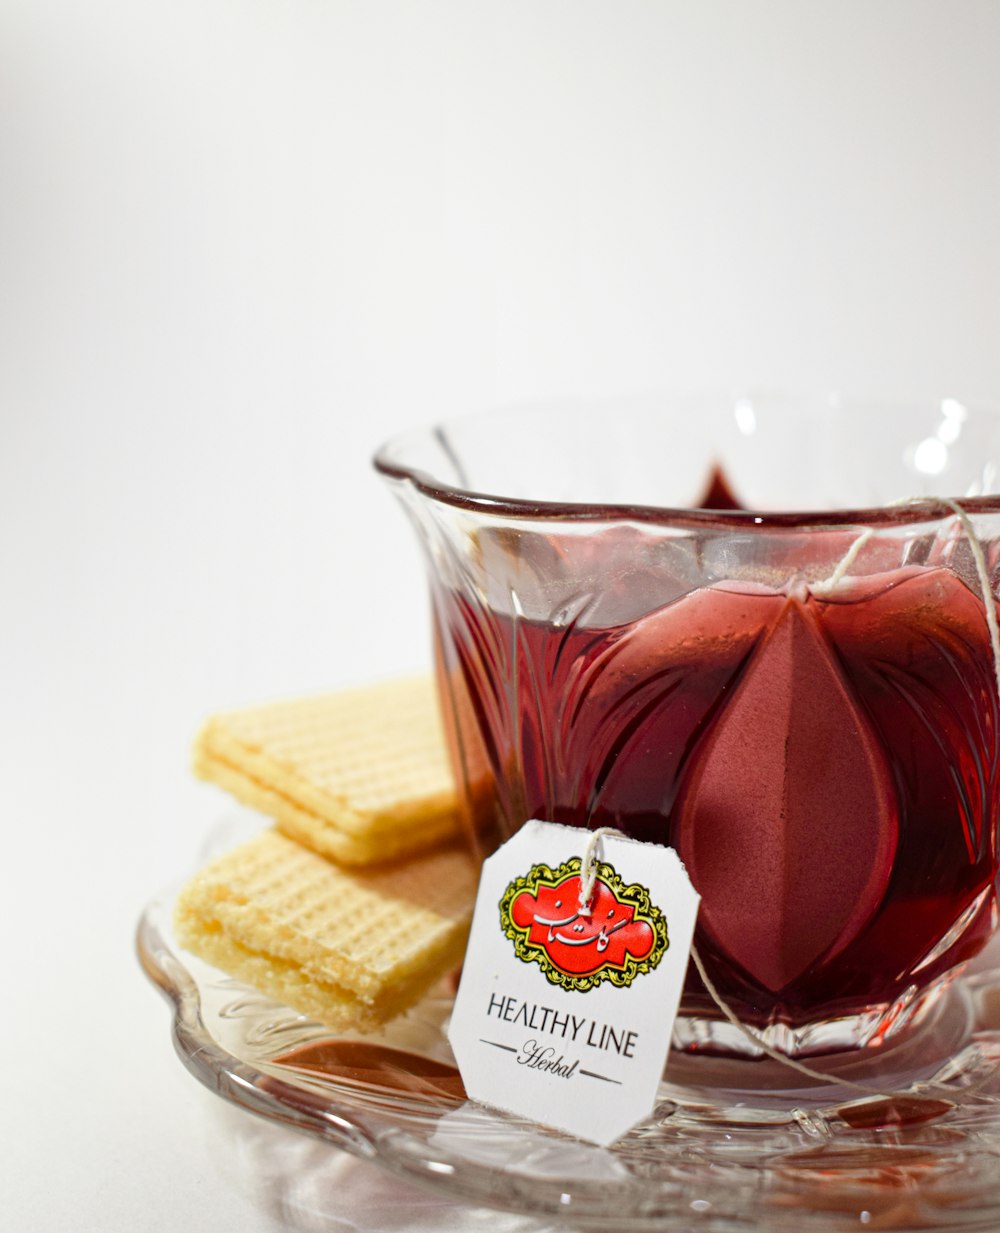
(825, 764)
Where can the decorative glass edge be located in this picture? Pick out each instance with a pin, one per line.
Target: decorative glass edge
(389, 461)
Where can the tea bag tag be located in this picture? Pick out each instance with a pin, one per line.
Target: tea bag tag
(569, 993)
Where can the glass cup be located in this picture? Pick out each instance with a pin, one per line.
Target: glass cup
(755, 630)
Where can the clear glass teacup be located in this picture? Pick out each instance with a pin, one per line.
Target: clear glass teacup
(753, 629)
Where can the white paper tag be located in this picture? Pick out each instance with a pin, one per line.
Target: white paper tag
(562, 1016)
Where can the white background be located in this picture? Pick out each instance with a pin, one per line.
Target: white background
(242, 241)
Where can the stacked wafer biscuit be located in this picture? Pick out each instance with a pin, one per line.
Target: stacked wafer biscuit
(361, 897)
(360, 776)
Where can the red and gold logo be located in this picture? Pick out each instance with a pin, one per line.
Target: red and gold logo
(617, 936)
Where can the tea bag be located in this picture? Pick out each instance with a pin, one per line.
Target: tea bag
(786, 820)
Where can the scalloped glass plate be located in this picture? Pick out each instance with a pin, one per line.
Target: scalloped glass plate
(731, 1145)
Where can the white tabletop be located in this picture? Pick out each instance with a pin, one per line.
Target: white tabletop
(240, 244)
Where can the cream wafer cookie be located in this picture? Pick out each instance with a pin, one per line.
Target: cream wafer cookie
(360, 776)
(352, 948)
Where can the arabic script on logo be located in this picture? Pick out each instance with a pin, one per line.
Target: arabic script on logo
(621, 936)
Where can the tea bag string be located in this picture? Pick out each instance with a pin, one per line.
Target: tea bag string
(825, 586)
(588, 865)
(983, 574)
(758, 1041)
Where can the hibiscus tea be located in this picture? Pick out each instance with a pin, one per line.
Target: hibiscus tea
(826, 766)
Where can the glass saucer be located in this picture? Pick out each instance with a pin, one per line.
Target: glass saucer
(731, 1145)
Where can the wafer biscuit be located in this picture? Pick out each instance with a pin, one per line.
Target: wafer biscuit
(352, 948)
(360, 776)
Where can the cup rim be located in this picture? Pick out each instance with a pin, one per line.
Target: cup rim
(495, 504)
